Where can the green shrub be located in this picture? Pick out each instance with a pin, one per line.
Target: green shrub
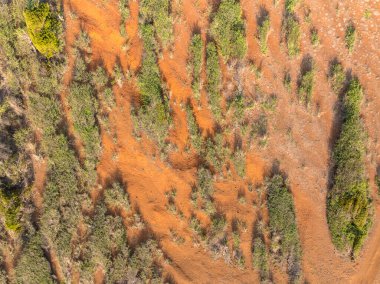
(350, 37)
(292, 33)
(377, 181)
(195, 134)
(262, 34)
(283, 226)
(116, 195)
(306, 85)
(153, 115)
(290, 5)
(213, 80)
(239, 161)
(314, 38)
(124, 14)
(349, 209)
(10, 205)
(195, 63)
(228, 30)
(287, 81)
(33, 267)
(337, 77)
(84, 108)
(43, 29)
(158, 12)
(260, 258)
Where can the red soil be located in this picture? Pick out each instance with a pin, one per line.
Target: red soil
(304, 154)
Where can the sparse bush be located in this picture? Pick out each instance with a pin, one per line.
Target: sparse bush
(337, 77)
(124, 14)
(283, 227)
(153, 115)
(314, 38)
(260, 258)
(194, 132)
(262, 34)
(349, 209)
(84, 108)
(213, 80)
(292, 33)
(158, 12)
(43, 29)
(290, 5)
(350, 37)
(306, 84)
(117, 196)
(287, 81)
(238, 159)
(195, 63)
(228, 30)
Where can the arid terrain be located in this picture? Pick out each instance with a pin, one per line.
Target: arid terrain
(159, 175)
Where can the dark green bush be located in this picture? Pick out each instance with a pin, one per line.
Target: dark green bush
(349, 209)
(228, 30)
(43, 29)
(260, 258)
(195, 134)
(285, 242)
(290, 5)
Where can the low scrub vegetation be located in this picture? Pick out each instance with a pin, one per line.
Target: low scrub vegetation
(292, 34)
(228, 30)
(349, 208)
(337, 77)
(285, 243)
(43, 28)
(195, 63)
(262, 32)
(213, 80)
(158, 13)
(153, 116)
(350, 37)
(290, 5)
(306, 82)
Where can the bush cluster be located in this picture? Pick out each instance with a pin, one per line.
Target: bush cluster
(195, 62)
(292, 33)
(213, 80)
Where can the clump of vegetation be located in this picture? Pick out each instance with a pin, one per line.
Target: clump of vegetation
(350, 37)
(228, 30)
(154, 114)
(116, 195)
(285, 243)
(348, 203)
(290, 5)
(292, 33)
(158, 12)
(84, 108)
(260, 258)
(43, 29)
(194, 131)
(306, 85)
(377, 180)
(124, 14)
(195, 63)
(287, 81)
(213, 80)
(107, 246)
(337, 77)
(33, 267)
(262, 33)
(314, 38)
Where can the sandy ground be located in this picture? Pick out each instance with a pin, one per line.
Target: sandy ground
(304, 155)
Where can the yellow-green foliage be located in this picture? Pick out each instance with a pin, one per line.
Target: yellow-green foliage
(43, 28)
(348, 205)
(228, 30)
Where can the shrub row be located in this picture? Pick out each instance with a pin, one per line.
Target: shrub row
(348, 205)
